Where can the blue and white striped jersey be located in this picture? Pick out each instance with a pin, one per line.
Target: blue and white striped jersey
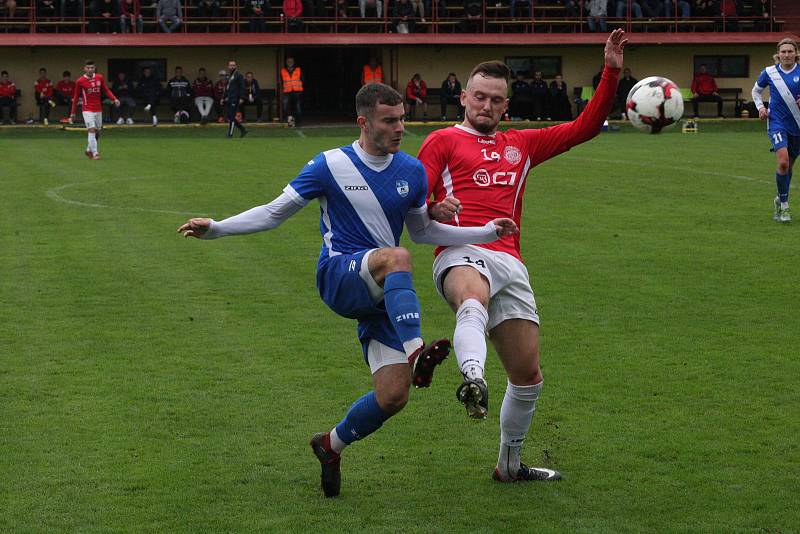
(784, 90)
(363, 200)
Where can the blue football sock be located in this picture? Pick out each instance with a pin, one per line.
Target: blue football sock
(364, 417)
(402, 305)
(783, 186)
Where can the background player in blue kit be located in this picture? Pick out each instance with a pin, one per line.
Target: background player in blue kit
(366, 192)
(783, 125)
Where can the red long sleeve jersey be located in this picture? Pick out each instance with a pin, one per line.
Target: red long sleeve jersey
(487, 173)
(89, 91)
(44, 88)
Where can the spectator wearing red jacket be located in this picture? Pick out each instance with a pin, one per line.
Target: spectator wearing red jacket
(44, 96)
(130, 18)
(64, 89)
(219, 94)
(727, 9)
(293, 11)
(704, 89)
(8, 98)
(416, 91)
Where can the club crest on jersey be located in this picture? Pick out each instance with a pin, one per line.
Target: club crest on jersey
(482, 177)
(796, 79)
(402, 188)
(512, 155)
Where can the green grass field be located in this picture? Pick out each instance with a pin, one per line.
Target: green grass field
(150, 383)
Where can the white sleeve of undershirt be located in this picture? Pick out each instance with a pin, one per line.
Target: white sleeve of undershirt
(422, 229)
(756, 94)
(260, 218)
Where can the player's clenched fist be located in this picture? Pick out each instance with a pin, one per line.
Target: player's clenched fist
(445, 210)
(196, 227)
(505, 227)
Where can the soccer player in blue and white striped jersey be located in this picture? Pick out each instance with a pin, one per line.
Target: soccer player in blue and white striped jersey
(783, 125)
(366, 191)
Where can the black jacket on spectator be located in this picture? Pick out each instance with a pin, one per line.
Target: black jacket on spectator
(451, 92)
(252, 89)
(179, 87)
(122, 88)
(560, 106)
(149, 89)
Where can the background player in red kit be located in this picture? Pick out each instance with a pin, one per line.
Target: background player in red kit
(89, 89)
(477, 174)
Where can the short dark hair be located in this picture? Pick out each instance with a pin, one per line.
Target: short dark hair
(491, 69)
(43, 69)
(88, 62)
(249, 72)
(66, 73)
(4, 72)
(201, 69)
(372, 94)
(178, 67)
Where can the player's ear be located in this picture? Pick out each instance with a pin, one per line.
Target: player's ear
(362, 122)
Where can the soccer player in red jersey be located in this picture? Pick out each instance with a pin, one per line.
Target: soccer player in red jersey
(44, 96)
(476, 174)
(89, 88)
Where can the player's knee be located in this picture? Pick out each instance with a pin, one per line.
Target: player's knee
(394, 399)
(783, 164)
(399, 259)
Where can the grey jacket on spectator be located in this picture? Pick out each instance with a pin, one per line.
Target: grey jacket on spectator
(168, 8)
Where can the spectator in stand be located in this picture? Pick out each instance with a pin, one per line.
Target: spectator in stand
(704, 89)
(539, 93)
(256, 11)
(130, 19)
(451, 94)
(44, 96)
(371, 72)
(377, 5)
(65, 89)
(560, 106)
(203, 91)
(123, 90)
(403, 14)
(292, 89)
(293, 11)
(150, 90)
(473, 16)
(8, 98)
(341, 8)
(572, 8)
(705, 8)
(8, 8)
(416, 91)
(683, 7)
(525, 8)
(180, 95)
(219, 94)
(105, 14)
(521, 98)
(168, 13)
(252, 96)
(652, 8)
(762, 9)
(598, 10)
(624, 87)
(419, 9)
(622, 9)
(208, 9)
(46, 9)
(70, 8)
(727, 10)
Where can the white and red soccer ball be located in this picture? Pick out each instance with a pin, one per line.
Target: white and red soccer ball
(653, 104)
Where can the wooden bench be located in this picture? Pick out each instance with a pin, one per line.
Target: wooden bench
(728, 94)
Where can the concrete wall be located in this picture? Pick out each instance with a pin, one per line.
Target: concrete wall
(579, 63)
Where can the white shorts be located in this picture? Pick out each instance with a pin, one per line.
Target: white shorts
(380, 355)
(93, 119)
(511, 296)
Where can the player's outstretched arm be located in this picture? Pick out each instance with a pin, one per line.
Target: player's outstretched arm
(615, 44)
(422, 229)
(254, 220)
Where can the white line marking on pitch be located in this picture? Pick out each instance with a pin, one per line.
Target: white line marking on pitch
(300, 133)
(55, 194)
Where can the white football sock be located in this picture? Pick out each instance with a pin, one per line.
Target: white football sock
(411, 346)
(516, 414)
(784, 205)
(92, 143)
(469, 338)
(337, 444)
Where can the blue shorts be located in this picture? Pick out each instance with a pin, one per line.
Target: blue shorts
(344, 291)
(780, 139)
